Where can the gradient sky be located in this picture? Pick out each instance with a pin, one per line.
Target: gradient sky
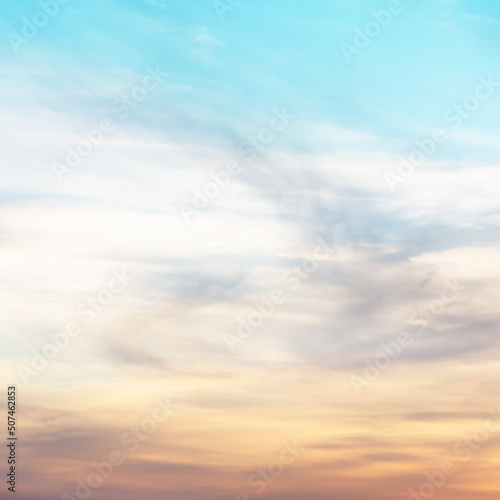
(394, 251)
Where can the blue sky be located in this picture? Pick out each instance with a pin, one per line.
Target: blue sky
(426, 60)
(225, 77)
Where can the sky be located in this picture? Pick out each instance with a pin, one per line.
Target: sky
(250, 248)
